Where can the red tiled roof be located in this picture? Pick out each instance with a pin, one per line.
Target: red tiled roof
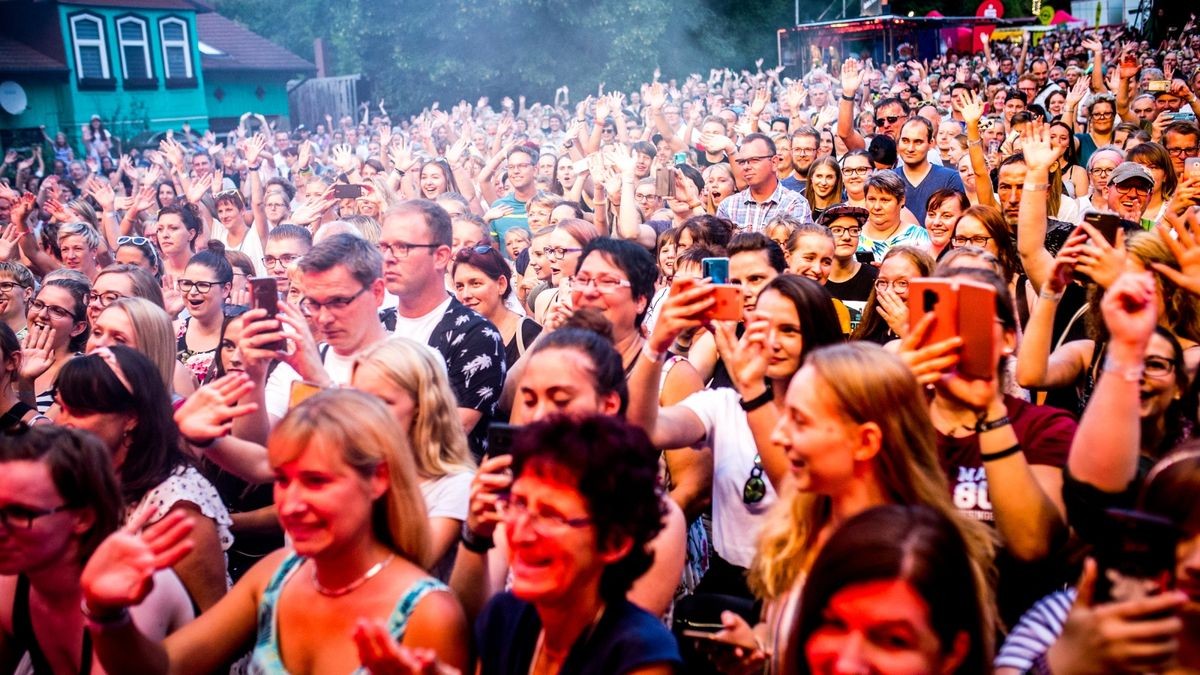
(18, 57)
(243, 49)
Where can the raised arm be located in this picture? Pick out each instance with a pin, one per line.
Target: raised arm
(1032, 218)
(852, 78)
(970, 106)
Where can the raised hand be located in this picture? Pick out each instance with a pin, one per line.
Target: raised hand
(682, 310)
(172, 299)
(762, 96)
(1186, 252)
(401, 155)
(795, 96)
(120, 573)
(1092, 45)
(253, 148)
(1039, 154)
(970, 105)
(10, 242)
(210, 411)
(344, 159)
(655, 96)
(1078, 92)
(497, 212)
(199, 188)
(852, 77)
(1130, 308)
(102, 192)
(1100, 260)
(746, 358)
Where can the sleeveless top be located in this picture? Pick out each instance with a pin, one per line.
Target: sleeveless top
(266, 659)
(23, 635)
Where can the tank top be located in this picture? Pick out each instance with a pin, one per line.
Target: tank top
(25, 639)
(266, 658)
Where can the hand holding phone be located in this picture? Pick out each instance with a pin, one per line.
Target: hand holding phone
(264, 294)
(961, 308)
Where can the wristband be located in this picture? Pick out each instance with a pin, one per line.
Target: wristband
(651, 355)
(1000, 454)
(975, 144)
(981, 425)
(1037, 187)
(848, 98)
(102, 621)
(758, 401)
(255, 167)
(1050, 295)
(473, 542)
(1128, 373)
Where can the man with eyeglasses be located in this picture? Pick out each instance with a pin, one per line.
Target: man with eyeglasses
(286, 245)
(522, 175)
(343, 286)
(1182, 140)
(805, 141)
(415, 239)
(764, 199)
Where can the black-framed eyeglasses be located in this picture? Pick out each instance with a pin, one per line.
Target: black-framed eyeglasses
(843, 231)
(7, 287)
(54, 310)
(559, 252)
(745, 161)
(186, 286)
(286, 260)
(755, 489)
(890, 119)
(512, 509)
(1101, 171)
(604, 285)
(973, 241)
(856, 171)
(312, 307)
(402, 249)
(103, 300)
(15, 517)
(1184, 152)
(1158, 366)
(1140, 192)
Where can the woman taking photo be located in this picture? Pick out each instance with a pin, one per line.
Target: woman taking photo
(793, 316)
(346, 492)
(58, 329)
(892, 591)
(824, 187)
(856, 432)
(411, 381)
(205, 287)
(118, 394)
(483, 282)
(59, 500)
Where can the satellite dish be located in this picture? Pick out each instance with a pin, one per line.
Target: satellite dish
(12, 98)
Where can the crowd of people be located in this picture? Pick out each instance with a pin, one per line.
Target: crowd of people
(882, 368)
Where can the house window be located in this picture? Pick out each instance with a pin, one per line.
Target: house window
(177, 52)
(135, 48)
(91, 52)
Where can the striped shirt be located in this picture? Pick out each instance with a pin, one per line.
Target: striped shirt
(752, 216)
(1038, 628)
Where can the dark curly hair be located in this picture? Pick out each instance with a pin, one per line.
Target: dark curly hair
(615, 468)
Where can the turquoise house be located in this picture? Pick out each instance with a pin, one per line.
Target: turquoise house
(142, 65)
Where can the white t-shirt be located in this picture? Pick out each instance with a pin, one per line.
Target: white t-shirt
(278, 391)
(251, 245)
(420, 328)
(735, 523)
(448, 496)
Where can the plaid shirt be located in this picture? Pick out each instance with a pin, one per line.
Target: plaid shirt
(751, 216)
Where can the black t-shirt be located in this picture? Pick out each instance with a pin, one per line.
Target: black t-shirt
(857, 287)
(626, 638)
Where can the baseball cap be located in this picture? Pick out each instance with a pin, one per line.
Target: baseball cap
(1130, 170)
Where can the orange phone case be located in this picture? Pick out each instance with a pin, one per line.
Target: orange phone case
(300, 391)
(728, 305)
(936, 296)
(977, 326)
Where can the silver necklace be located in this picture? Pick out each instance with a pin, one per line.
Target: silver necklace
(338, 592)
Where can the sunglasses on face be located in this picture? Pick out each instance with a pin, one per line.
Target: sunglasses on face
(890, 119)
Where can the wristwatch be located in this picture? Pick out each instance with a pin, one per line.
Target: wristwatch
(758, 401)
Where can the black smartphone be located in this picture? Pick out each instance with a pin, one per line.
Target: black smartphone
(1136, 558)
(500, 439)
(1107, 224)
(264, 294)
(347, 190)
(865, 257)
(715, 269)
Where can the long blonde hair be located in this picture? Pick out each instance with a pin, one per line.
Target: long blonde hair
(438, 441)
(154, 334)
(362, 431)
(868, 384)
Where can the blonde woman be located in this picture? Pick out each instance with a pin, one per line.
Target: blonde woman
(858, 433)
(410, 379)
(346, 492)
(144, 326)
